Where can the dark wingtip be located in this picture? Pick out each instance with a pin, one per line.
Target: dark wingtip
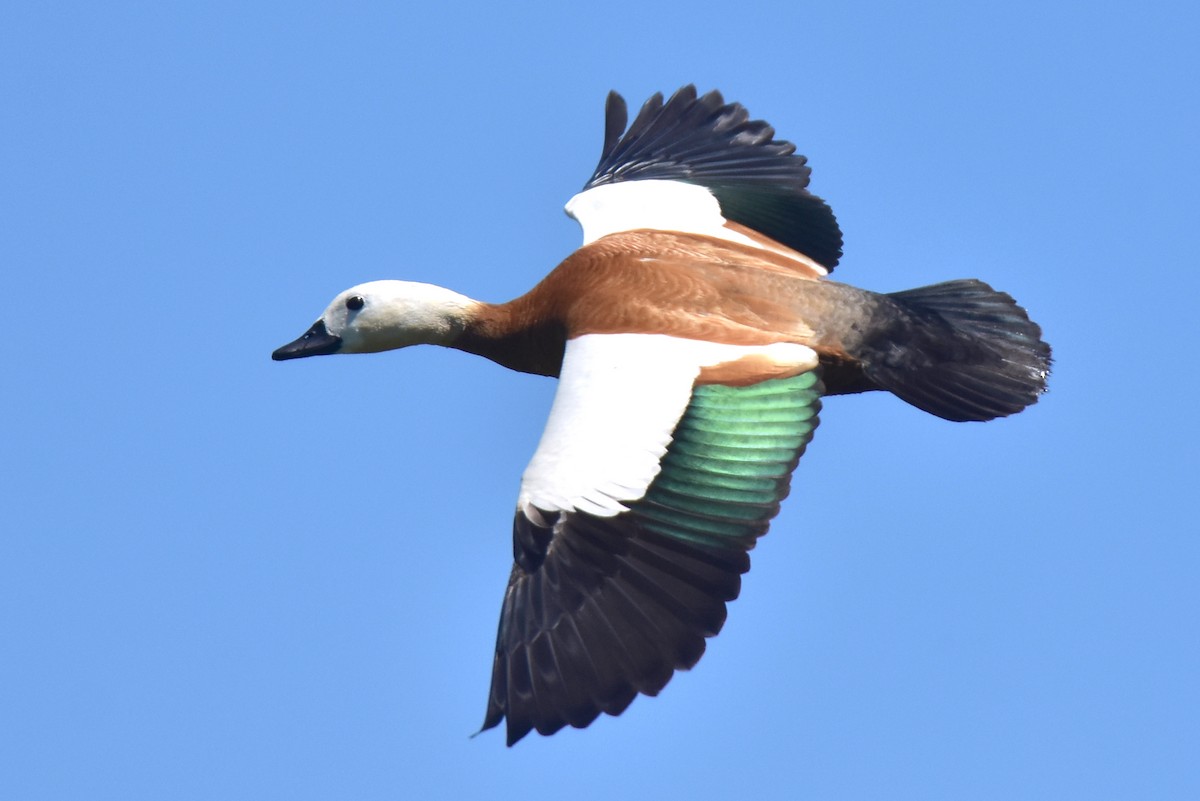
(616, 117)
(490, 721)
(759, 181)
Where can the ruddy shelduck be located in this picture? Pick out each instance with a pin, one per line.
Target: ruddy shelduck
(693, 334)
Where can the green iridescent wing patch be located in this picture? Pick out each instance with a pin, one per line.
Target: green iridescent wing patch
(730, 461)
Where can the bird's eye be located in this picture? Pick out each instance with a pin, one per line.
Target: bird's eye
(354, 302)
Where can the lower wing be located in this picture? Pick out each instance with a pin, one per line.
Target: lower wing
(636, 515)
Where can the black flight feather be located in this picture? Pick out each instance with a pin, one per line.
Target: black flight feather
(758, 180)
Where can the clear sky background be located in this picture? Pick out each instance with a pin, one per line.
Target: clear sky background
(227, 578)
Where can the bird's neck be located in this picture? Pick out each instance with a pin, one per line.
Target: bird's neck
(516, 335)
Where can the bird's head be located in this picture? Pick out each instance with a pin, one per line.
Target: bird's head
(383, 315)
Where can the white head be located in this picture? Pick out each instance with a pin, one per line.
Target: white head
(383, 315)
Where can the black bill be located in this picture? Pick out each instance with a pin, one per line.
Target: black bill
(317, 341)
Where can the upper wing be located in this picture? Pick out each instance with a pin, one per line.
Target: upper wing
(635, 517)
(696, 164)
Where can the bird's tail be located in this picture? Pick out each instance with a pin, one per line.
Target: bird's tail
(971, 353)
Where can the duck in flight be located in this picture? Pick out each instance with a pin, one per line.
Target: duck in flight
(693, 334)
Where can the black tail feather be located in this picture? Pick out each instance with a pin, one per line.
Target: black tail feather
(971, 353)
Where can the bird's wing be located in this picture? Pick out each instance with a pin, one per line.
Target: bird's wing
(701, 165)
(635, 517)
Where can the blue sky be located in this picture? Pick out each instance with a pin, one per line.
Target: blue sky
(223, 577)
